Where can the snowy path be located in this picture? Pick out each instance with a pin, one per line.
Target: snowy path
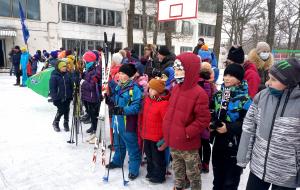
(34, 157)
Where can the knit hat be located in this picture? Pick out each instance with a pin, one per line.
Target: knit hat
(117, 58)
(61, 64)
(158, 85)
(236, 55)
(204, 47)
(89, 56)
(235, 70)
(128, 69)
(68, 52)
(262, 46)
(54, 54)
(201, 39)
(163, 50)
(17, 47)
(23, 49)
(287, 72)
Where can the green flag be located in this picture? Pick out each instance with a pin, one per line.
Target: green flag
(39, 82)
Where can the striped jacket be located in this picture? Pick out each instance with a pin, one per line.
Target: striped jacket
(271, 138)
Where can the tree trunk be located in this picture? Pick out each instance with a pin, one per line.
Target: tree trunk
(271, 28)
(218, 29)
(168, 34)
(144, 20)
(296, 44)
(130, 24)
(155, 32)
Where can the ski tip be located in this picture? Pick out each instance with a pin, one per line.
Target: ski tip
(105, 179)
(125, 183)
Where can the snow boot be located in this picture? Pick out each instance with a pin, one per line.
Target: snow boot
(91, 130)
(112, 165)
(66, 126)
(84, 117)
(132, 176)
(55, 125)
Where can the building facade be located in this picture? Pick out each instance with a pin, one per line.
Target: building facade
(71, 23)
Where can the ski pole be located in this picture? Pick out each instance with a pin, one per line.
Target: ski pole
(122, 163)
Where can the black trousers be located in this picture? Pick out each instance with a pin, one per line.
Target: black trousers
(156, 160)
(254, 183)
(226, 173)
(93, 111)
(18, 75)
(63, 109)
(205, 151)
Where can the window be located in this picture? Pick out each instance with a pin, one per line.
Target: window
(5, 8)
(104, 12)
(91, 45)
(187, 28)
(81, 14)
(91, 15)
(206, 30)
(118, 18)
(137, 21)
(33, 9)
(98, 16)
(119, 45)
(15, 6)
(63, 12)
(151, 24)
(207, 6)
(139, 49)
(185, 48)
(71, 13)
(110, 18)
(10, 8)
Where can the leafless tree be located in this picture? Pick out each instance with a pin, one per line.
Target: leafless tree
(271, 16)
(130, 23)
(218, 28)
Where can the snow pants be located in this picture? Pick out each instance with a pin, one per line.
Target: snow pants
(127, 141)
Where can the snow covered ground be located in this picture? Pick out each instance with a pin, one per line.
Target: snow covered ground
(34, 157)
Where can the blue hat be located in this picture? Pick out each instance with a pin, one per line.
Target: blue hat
(54, 54)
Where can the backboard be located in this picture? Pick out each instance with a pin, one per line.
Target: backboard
(177, 9)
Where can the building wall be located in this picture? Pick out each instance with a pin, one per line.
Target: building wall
(50, 30)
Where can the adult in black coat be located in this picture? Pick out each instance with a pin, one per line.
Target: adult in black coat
(16, 57)
(61, 92)
(199, 45)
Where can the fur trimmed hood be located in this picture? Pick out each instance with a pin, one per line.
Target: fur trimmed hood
(260, 64)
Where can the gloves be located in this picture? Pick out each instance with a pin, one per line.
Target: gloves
(108, 100)
(117, 111)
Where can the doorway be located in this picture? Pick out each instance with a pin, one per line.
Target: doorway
(2, 53)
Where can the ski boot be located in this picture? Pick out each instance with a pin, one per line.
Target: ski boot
(132, 176)
(112, 165)
(91, 130)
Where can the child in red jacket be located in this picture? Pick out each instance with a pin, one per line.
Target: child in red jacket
(187, 116)
(155, 107)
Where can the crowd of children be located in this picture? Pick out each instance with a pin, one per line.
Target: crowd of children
(171, 104)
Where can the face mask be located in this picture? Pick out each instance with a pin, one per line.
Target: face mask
(275, 92)
(179, 80)
(88, 65)
(264, 56)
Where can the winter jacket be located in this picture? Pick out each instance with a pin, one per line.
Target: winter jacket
(209, 88)
(24, 61)
(226, 144)
(153, 115)
(271, 138)
(61, 86)
(129, 97)
(91, 85)
(196, 49)
(252, 78)
(16, 57)
(188, 113)
(262, 67)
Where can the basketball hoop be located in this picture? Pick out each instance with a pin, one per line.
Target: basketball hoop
(177, 9)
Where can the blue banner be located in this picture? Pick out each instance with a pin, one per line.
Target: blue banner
(24, 27)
